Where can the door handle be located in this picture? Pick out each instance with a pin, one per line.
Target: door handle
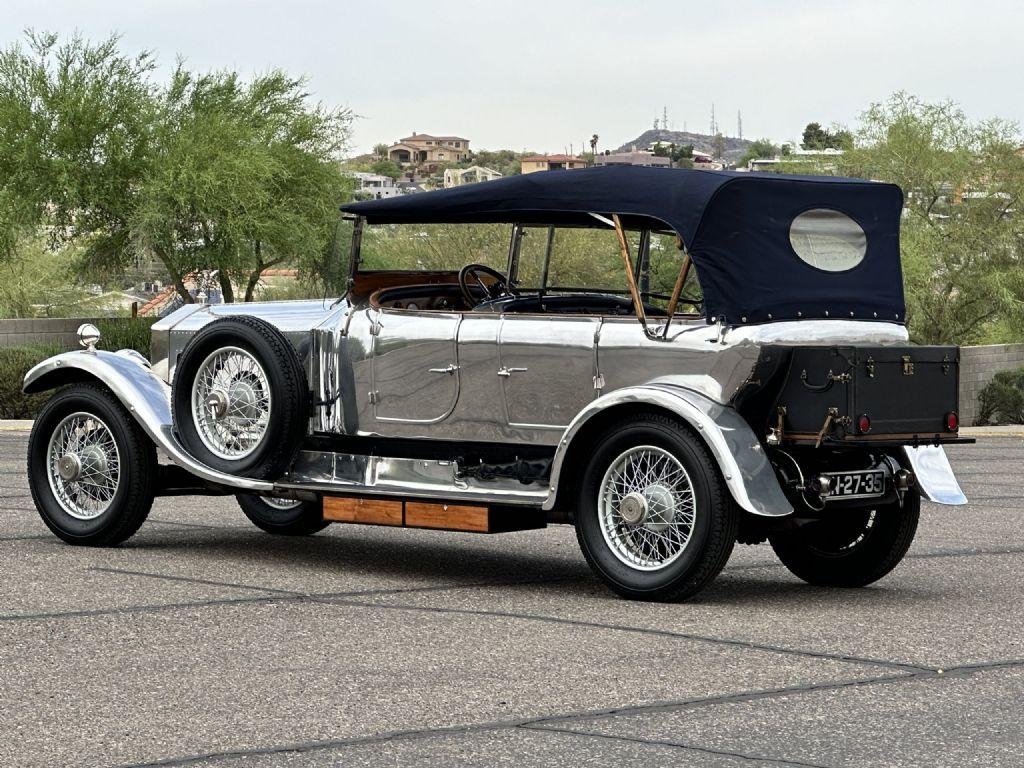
(450, 369)
(503, 371)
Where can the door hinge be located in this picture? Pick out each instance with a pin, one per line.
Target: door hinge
(374, 397)
(375, 328)
(599, 382)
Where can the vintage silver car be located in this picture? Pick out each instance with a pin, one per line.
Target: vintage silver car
(671, 360)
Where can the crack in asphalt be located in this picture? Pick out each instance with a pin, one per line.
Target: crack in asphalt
(344, 598)
(742, 644)
(677, 744)
(553, 722)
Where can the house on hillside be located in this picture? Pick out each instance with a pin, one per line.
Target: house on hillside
(456, 177)
(648, 159)
(815, 160)
(423, 150)
(374, 186)
(534, 163)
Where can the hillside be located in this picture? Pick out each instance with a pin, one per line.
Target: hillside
(734, 148)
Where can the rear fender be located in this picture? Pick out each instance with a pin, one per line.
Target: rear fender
(933, 475)
(144, 394)
(741, 458)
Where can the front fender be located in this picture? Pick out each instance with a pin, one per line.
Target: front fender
(746, 469)
(142, 392)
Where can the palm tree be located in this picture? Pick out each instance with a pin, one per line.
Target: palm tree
(593, 145)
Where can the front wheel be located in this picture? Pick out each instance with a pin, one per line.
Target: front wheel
(852, 549)
(91, 469)
(654, 518)
(283, 517)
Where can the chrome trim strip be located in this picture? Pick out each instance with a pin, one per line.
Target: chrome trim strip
(934, 475)
(747, 471)
(389, 476)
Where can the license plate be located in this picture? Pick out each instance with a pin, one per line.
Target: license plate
(857, 485)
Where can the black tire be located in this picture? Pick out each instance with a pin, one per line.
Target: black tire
(852, 549)
(304, 519)
(132, 500)
(714, 528)
(289, 412)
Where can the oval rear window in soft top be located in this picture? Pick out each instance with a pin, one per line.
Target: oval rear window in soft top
(828, 239)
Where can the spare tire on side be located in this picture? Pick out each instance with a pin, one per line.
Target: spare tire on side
(240, 400)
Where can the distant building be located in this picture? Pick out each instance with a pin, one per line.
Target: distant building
(373, 186)
(425, 150)
(815, 159)
(456, 177)
(633, 158)
(534, 163)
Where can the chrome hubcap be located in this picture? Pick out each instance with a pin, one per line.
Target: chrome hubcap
(231, 403)
(84, 466)
(279, 503)
(646, 508)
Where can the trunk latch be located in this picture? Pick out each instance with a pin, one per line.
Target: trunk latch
(908, 366)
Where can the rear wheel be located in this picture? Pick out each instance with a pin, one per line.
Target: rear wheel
(91, 469)
(852, 549)
(654, 519)
(284, 517)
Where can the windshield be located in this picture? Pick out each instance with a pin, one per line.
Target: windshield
(547, 260)
(591, 260)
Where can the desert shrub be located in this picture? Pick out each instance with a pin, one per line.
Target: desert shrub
(1002, 399)
(14, 364)
(125, 333)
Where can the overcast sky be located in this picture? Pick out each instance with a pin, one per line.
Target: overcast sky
(544, 75)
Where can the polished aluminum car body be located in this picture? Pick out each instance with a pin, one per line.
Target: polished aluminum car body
(506, 379)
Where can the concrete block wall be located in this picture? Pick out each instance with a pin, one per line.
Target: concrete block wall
(41, 330)
(977, 367)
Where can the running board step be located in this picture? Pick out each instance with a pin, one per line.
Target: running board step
(471, 518)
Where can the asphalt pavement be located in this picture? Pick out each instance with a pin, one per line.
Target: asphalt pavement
(205, 642)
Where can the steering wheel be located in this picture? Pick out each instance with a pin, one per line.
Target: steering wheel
(497, 289)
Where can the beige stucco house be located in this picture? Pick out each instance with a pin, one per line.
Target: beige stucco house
(534, 163)
(423, 149)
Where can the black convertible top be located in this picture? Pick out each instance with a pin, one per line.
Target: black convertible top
(735, 225)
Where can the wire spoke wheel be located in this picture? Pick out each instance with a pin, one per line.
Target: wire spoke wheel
(646, 508)
(231, 403)
(83, 465)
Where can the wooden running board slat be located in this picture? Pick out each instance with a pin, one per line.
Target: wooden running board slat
(351, 509)
(448, 517)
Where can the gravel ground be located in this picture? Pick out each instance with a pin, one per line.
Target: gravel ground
(205, 642)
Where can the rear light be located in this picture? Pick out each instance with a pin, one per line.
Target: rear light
(952, 421)
(863, 424)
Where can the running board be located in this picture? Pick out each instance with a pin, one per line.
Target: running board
(360, 475)
(471, 518)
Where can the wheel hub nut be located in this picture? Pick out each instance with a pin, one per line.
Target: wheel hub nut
(69, 467)
(217, 402)
(633, 508)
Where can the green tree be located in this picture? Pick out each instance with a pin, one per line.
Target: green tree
(380, 150)
(815, 137)
(386, 167)
(206, 172)
(762, 148)
(962, 235)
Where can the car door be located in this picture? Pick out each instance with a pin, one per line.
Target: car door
(547, 368)
(415, 370)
